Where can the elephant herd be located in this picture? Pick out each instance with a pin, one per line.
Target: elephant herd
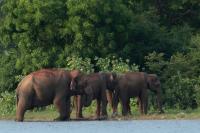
(56, 86)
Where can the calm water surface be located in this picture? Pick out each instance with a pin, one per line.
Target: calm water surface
(135, 126)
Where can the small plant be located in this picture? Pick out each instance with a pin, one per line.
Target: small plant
(82, 64)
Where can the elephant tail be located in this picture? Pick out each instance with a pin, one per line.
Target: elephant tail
(17, 99)
(17, 93)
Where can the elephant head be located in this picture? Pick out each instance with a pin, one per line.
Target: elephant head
(75, 77)
(87, 92)
(85, 84)
(154, 85)
(110, 80)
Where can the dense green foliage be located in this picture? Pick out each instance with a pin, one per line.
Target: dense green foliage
(156, 36)
(7, 102)
(179, 76)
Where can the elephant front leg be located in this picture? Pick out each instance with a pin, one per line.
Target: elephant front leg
(124, 106)
(68, 111)
(104, 103)
(20, 110)
(144, 103)
(159, 102)
(63, 107)
(115, 101)
(140, 105)
(128, 107)
(104, 114)
(124, 100)
(98, 109)
(24, 103)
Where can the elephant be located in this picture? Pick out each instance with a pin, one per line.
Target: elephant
(136, 84)
(45, 87)
(99, 87)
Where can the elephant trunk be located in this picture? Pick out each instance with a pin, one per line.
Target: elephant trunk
(115, 101)
(159, 101)
(86, 100)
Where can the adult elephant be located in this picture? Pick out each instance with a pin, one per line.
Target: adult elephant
(99, 87)
(136, 84)
(45, 87)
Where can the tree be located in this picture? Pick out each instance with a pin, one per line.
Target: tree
(175, 12)
(33, 28)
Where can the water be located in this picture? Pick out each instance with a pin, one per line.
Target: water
(135, 126)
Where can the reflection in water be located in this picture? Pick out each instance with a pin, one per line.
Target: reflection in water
(136, 126)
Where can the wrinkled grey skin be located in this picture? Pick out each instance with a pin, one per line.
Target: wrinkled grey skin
(136, 84)
(45, 87)
(97, 86)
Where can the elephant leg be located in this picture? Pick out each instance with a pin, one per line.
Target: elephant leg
(124, 102)
(115, 102)
(145, 106)
(68, 106)
(98, 109)
(104, 103)
(63, 108)
(21, 108)
(24, 103)
(144, 102)
(128, 107)
(140, 105)
(159, 102)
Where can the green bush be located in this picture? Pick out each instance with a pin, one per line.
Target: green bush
(7, 102)
(197, 91)
(7, 71)
(115, 65)
(180, 92)
(82, 64)
(179, 78)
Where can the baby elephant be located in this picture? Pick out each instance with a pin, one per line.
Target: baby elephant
(44, 87)
(96, 86)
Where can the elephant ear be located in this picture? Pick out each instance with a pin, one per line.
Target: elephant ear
(111, 81)
(153, 82)
(74, 79)
(112, 76)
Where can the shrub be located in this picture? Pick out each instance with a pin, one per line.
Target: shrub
(197, 91)
(179, 78)
(180, 92)
(115, 65)
(82, 64)
(7, 102)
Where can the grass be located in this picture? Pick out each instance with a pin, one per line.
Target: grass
(50, 114)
